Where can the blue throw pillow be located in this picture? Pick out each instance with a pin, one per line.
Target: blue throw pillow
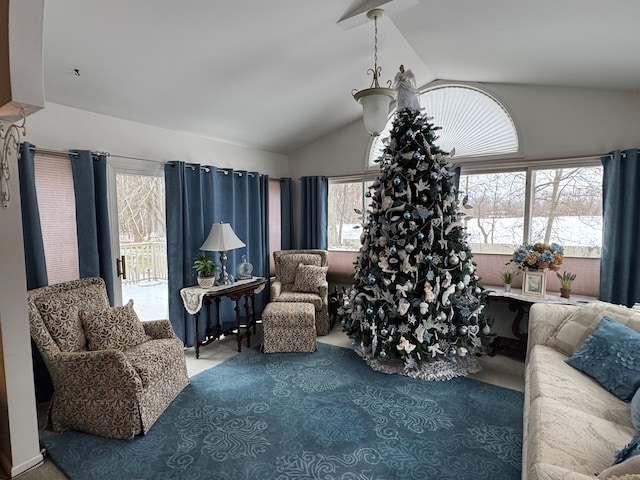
(635, 410)
(611, 355)
(630, 450)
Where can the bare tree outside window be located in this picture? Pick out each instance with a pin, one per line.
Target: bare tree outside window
(347, 208)
(566, 208)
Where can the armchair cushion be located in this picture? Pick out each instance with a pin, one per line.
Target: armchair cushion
(309, 278)
(116, 328)
(60, 315)
(288, 265)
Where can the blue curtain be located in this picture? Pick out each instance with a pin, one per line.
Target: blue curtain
(196, 197)
(92, 216)
(620, 263)
(286, 214)
(313, 212)
(35, 266)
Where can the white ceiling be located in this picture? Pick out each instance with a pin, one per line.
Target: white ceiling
(278, 74)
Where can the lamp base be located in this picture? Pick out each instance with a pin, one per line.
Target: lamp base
(225, 278)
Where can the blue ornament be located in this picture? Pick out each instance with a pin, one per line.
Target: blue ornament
(426, 336)
(447, 303)
(344, 322)
(393, 250)
(396, 181)
(407, 215)
(453, 352)
(409, 133)
(463, 330)
(372, 279)
(416, 155)
(383, 354)
(367, 194)
(373, 223)
(420, 236)
(429, 258)
(369, 311)
(434, 175)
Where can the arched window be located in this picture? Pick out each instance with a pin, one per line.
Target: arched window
(472, 121)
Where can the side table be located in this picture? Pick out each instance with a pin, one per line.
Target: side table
(520, 304)
(194, 297)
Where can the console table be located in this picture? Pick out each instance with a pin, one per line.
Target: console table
(194, 297)
(520, 304)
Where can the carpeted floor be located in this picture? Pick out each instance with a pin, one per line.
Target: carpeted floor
(305, 416)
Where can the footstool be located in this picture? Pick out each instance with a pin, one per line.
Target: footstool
(289, 327)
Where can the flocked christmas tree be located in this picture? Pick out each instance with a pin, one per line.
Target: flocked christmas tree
(416, 297)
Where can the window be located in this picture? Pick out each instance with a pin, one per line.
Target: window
(472, 122)
(347, 210)
(565, 207)
(57, 207)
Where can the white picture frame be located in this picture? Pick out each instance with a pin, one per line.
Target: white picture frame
(534, 284)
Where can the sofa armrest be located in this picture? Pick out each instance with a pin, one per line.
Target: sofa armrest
(544, 471)
(323, 291)
(544, 320)
(157, 329)
(93, 374)
(276, 289)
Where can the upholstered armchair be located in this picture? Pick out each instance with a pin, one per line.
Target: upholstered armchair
(301, 276)
(112, 374)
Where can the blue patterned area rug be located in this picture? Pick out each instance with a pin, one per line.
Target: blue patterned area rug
(323, 415)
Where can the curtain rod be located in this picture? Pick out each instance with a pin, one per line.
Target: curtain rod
(48, 151)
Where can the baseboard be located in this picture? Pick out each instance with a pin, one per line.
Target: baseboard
(16, 470)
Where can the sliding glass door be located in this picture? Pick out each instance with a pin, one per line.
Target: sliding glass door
(139, 237)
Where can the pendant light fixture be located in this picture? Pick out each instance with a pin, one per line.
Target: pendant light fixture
(375, 100)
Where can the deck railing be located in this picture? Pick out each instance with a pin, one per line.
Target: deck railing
(145, 261)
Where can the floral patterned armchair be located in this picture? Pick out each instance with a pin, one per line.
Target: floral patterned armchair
(301, 276)
(112, 374)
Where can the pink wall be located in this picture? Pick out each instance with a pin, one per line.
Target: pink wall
(341, 270)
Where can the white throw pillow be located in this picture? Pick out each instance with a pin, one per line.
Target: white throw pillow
(582, 322)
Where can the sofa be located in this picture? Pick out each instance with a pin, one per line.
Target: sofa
(573, 426)
(112, 375)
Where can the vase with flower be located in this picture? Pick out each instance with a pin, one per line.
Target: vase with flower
(537, 257)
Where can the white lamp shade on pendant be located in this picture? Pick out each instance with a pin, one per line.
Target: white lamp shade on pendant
(21, 71)
(221, 239)
(375, 108)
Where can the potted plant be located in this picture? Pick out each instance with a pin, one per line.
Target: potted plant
(507, 278)
(206, 269)
(566, 279)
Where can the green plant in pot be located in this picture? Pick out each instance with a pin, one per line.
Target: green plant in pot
(566, 280)
(205, 268)
(508, 276)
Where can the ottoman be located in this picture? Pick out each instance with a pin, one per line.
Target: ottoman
(289, 327)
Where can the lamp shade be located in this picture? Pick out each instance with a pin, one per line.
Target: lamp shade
(375, 107)
(221, 239)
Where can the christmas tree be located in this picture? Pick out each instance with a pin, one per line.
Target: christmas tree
(416, 302)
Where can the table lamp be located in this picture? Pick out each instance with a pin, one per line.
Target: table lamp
(221, 239)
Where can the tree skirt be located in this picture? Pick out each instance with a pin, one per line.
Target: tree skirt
(438, 370)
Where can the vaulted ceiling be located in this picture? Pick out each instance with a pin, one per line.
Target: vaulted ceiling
(278, 74)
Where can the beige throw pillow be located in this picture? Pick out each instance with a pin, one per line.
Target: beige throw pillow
(288, 264)
(630, 468)
(116, 328)
(309, 278)
(582, 322)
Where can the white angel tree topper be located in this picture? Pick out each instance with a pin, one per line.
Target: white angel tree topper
(416, 296)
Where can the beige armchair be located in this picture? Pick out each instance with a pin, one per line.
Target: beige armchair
(112, 374)
(301, 277)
